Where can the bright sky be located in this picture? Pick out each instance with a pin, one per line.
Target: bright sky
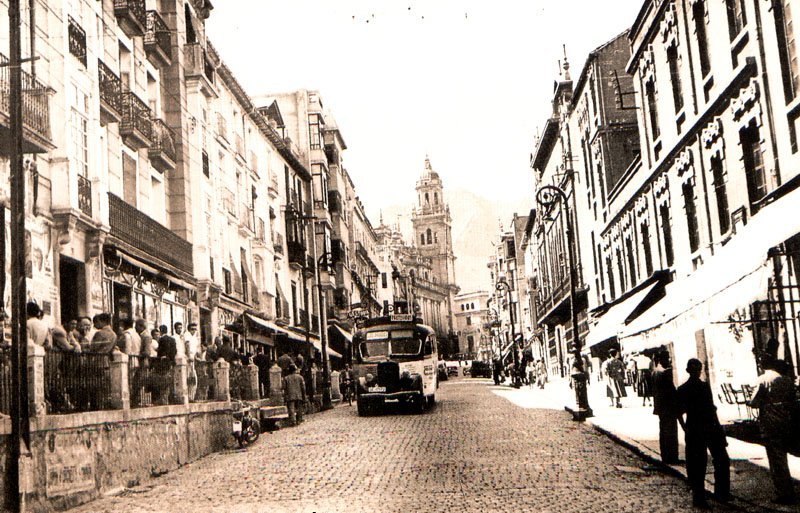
(466, 81)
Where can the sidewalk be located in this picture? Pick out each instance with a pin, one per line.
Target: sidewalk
(636, 427)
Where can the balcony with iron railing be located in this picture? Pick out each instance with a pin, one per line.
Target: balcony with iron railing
(137, 229)
(110, 94)
(157, 42)
(36, 133)
(77, 40)
(163, 152)
(198, 69)
(85, 195)
(136, 127)
(297, 253)
(131, 16)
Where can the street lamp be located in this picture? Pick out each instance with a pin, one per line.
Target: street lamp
(503, 284)
(322, 267)
(548, 196)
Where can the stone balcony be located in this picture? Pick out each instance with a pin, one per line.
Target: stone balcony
(198, 69)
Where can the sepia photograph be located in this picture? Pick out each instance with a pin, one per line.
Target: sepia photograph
(381, 256)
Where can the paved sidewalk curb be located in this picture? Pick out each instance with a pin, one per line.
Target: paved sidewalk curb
(676, 470)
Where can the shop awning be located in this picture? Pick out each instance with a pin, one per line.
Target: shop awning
(263, 323)
(346, 334)
(612, 322)
(331, 352)
(259, 338)
(136, 262)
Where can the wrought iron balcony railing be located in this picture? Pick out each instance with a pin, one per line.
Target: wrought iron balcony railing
(297, 252)
(85, 195)
(163, 151)
(131, 16)
(157, 42)
(77, 40)
(136, 127)
(144, 233)
(35, 112)
(110, 94)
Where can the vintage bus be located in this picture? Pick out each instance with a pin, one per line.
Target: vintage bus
(394, 359)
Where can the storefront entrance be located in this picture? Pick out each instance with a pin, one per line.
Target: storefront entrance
(72, 288)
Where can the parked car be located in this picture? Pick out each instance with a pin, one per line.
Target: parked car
(480, 369)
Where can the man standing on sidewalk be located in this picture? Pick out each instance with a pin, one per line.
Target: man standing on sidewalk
(664, 398)
(294, 393)
(703, 434)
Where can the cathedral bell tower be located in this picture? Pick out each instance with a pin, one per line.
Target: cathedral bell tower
(433, 231)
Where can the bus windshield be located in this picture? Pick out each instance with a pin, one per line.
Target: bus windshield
(387, 343)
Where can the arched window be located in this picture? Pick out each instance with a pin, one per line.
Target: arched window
(422, 239)
(428, 233)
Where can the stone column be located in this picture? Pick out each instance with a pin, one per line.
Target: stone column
(251, 392)
(36, 401)
(180, 387)
(120, 395)
(336, 394)
(222, 384)
(275, 386)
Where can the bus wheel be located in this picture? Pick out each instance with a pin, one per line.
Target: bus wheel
(431, 400)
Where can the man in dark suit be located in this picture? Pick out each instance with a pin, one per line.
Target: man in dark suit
(167, 347)
(664, 406)
(703, 434)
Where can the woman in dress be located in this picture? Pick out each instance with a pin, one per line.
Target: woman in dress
(615, 378)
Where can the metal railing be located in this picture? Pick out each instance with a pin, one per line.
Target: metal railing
(297, 252)
(136, 116)
(85, 195)
(35, 100)
(145, 233)
(77, 382)
(238, 381)
(163, 140)
(150, 381)
(157, 33)
(5, 381)
(133, 9)
(206, 384)
(77, 40)
(110, 88)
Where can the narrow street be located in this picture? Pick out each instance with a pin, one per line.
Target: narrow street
(475, 451)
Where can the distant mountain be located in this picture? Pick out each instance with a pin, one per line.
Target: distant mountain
(476, 225)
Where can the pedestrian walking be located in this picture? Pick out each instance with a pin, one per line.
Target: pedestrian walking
(614, 370)
(497, 370)
(704, 434)
(776, 400)
(665, 406)
(644, 378)
(294, 393)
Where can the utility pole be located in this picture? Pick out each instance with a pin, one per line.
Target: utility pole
(20, 429)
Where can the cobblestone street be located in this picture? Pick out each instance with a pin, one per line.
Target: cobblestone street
(475, 451)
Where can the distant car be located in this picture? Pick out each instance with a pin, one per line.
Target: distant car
(480, 369)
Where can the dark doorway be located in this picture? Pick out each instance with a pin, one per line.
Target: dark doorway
(122, 304)
(72, 287)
